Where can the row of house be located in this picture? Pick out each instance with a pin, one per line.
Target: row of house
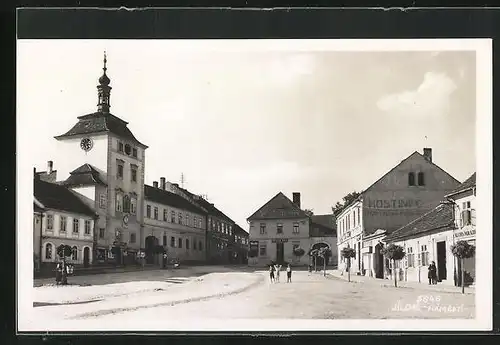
(105, 211)
(419, 206)
(280, 226)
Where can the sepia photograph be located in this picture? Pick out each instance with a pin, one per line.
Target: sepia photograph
(254, 184)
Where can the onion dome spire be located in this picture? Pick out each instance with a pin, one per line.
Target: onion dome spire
(104, 90)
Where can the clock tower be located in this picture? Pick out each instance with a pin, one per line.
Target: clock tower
(110, 175)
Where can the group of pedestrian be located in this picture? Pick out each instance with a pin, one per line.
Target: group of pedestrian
(274, 273)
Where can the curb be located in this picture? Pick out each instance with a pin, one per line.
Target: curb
(384, 284)
(169, 303)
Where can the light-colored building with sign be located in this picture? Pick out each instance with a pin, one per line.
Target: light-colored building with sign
(276, 229)
(412, 188)
(464, 200)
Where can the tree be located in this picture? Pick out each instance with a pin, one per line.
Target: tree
(394, 253)
(298, 252)
(309, 212)
(63, 251)
(346, 201)
(313, 253)
(325, 253)
(463, 250)
(348, 253)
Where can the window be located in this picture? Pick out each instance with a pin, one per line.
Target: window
(172, 216)
(420, 179)
(126, 204)
(48, 251)
(359, 217)
(134, 152)
(424, 256)
(165, 215)
(467, 217)
(102, 200)
(119, 169)
(119, 202)
(279, 228)
(410, 257)
(133, 173)
(180, 242)
(87, 227)
(120, 146)
(148, 211)
(180, 218)
(62, 224)
(295, 228)
(194, 245)
(262, 250)
(156, 213)
(187, 243)
(74, 253)
(101, 232)
(132, 237)
(128, 149)
(262, 228)
(354, 219)
(188, 220)
(411, 179)
(195, 221)
(200, 246)
(133, 205)
(172, 242)
(50, 222)
(165, 240)
(76, 225)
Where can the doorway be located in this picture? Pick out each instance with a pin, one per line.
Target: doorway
(151, 243)
(280, 253)
(441, 260)
(379, 262)
(86, 257)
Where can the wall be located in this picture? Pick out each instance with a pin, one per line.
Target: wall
(159, 228)
(392, 203)
(56, 237)
(350, 230)
(302, 239)
(418, 273)
(74, 156)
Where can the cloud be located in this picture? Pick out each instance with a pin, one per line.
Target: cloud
(430, 98)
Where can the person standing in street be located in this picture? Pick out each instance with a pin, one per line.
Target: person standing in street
(432, 273)
(289, 274)
(278, 269)
(271, 273)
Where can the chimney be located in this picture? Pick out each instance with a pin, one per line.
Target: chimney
(428, 154)
(296, 199)
(155, 184)
(162, 183)
(50, 166)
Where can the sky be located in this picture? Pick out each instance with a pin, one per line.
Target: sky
(245, 124)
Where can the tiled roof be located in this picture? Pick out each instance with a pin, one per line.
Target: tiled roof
(85, 175)
(279, 207)
(98, 123)
(238, 230)
(58, 197)
(440, 217)
(165, 197)
(212, 210)
(469, 183)
(322, 225)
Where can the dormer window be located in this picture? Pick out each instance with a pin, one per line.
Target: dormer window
(134, 152)
(120, 146)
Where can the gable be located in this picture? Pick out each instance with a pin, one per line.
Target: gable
(435, 177)
(279, 207)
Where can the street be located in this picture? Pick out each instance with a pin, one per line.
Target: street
(158, 295)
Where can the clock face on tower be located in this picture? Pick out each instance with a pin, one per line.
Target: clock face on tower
(86, 144)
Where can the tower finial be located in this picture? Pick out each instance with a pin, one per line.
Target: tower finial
(104, 68)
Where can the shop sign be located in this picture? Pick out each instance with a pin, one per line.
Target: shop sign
(465, 233)
(279, 240)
